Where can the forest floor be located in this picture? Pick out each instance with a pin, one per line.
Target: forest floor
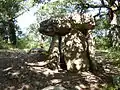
(19, 71)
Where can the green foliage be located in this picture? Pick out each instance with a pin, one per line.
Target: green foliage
(36, 39)
(9, 8)
(8, 12)
(52, 9)
(115, 85)
(4, 45)
(110, 87)
(22, 43)
(115, 55)
(101, 42)
(28, 42)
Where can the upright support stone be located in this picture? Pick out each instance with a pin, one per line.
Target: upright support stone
(75, 47)
(54, 52)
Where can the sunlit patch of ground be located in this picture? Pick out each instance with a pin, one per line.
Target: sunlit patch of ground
(17, 73)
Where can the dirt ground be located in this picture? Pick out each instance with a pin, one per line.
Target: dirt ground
(20, 71)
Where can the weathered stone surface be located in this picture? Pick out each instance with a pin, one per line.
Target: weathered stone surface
(75, 48)
(54, 53)
(55, 26)
(77, 43)
(36, 51)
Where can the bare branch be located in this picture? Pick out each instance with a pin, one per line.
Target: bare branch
(103, 3)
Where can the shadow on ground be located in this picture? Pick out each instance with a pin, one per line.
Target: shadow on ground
(17, 73)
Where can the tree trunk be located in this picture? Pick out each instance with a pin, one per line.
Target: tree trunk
(12, 32)
(114, 36)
